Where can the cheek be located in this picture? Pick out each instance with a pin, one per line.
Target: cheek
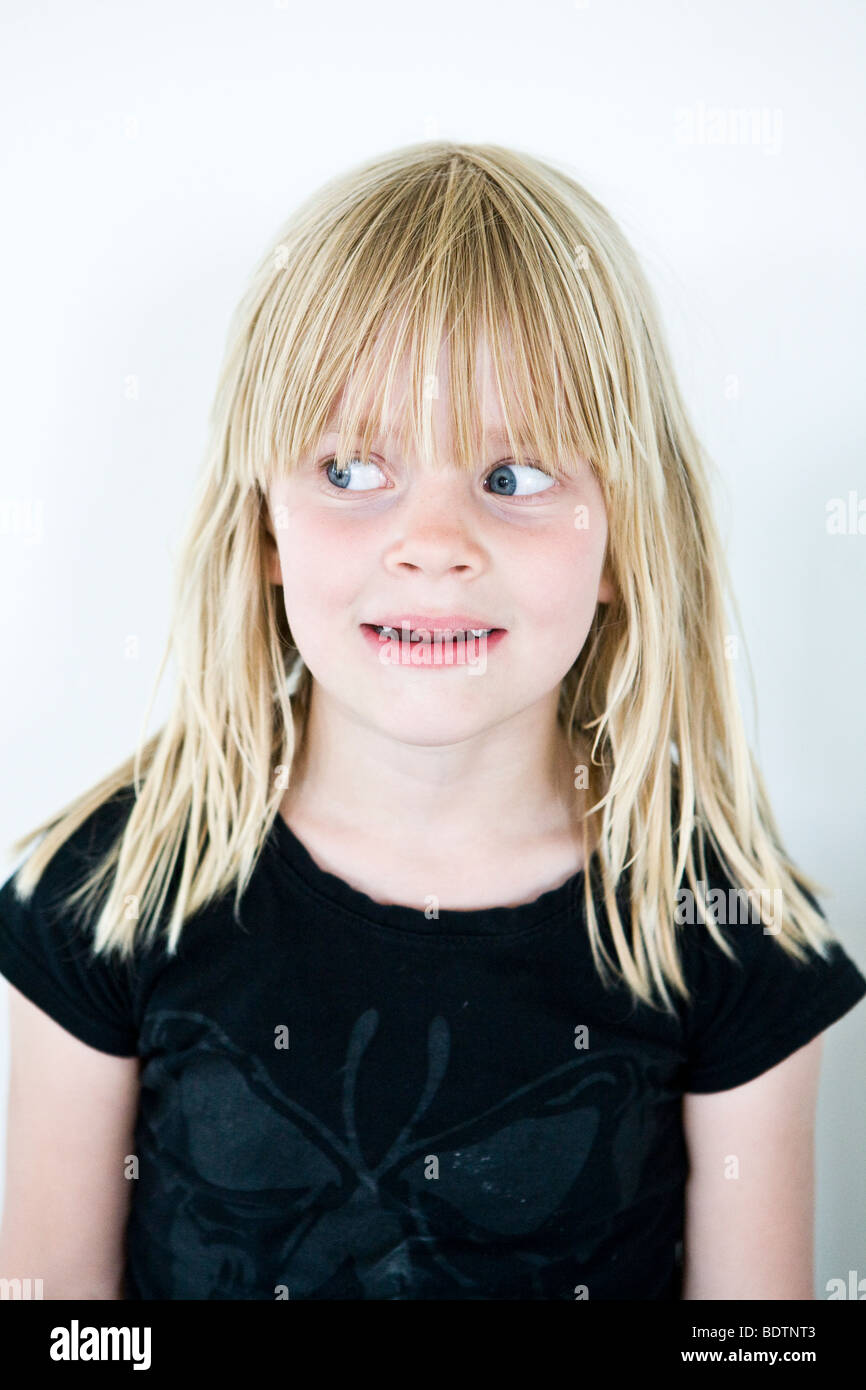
(319, 581)
(560, 602)
(562, 576)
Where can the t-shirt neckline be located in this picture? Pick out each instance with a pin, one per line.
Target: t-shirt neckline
(547, 909)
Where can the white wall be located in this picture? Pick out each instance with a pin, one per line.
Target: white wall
(149, 155)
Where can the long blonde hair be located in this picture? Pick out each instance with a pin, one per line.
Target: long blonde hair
(432, 242)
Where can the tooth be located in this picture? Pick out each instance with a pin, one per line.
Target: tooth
(422, 635)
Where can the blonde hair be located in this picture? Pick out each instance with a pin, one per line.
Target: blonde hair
(432, 242)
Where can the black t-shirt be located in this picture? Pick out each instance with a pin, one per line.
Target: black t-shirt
(347, 1100)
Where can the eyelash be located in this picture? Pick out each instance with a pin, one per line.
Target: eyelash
(506, 463)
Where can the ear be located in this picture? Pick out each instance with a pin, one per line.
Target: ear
(606, 590)
(273, 567)
(275, 575)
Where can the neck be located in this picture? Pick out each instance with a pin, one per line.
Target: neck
(512, 783)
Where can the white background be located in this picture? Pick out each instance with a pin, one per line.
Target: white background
(150, 153)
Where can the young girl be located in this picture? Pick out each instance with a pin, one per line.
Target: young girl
(442, 944)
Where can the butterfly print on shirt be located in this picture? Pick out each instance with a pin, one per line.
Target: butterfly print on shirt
(259, 1193)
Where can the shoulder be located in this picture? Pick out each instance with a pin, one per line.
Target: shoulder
(46, 941)
(77, 853)
(754, 1007)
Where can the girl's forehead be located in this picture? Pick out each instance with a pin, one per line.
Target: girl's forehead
(393, 422)
(484, 388)
(396, 434)
(393, 429)
(470, 406)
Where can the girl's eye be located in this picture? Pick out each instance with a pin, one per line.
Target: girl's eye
(506, 486)
(507, 477)
(340, 477)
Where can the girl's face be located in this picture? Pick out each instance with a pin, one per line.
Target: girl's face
(508, 547)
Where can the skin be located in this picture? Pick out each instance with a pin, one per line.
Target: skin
(450, 769)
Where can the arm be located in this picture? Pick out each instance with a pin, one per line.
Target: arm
(71, 1121)
(752, 1236)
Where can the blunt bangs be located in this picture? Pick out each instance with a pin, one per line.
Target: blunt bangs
(453, 263)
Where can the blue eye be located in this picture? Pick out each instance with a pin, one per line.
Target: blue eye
(341, 477)
(507, 486)
(507, 477)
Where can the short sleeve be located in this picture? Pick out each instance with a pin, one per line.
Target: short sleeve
(747, 1016)
(45, 953)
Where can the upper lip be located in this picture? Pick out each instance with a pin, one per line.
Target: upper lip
(457, 622)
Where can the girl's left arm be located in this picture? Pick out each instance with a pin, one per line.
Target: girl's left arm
(749, 1211)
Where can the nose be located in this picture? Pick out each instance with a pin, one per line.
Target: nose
(435, 529)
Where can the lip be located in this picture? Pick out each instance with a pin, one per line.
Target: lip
(434, 654)
(456, 622)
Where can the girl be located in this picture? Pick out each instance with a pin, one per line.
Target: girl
(442, 944)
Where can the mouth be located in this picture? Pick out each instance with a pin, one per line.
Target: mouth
(440, 627)
(428, 648)
(430, 634)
